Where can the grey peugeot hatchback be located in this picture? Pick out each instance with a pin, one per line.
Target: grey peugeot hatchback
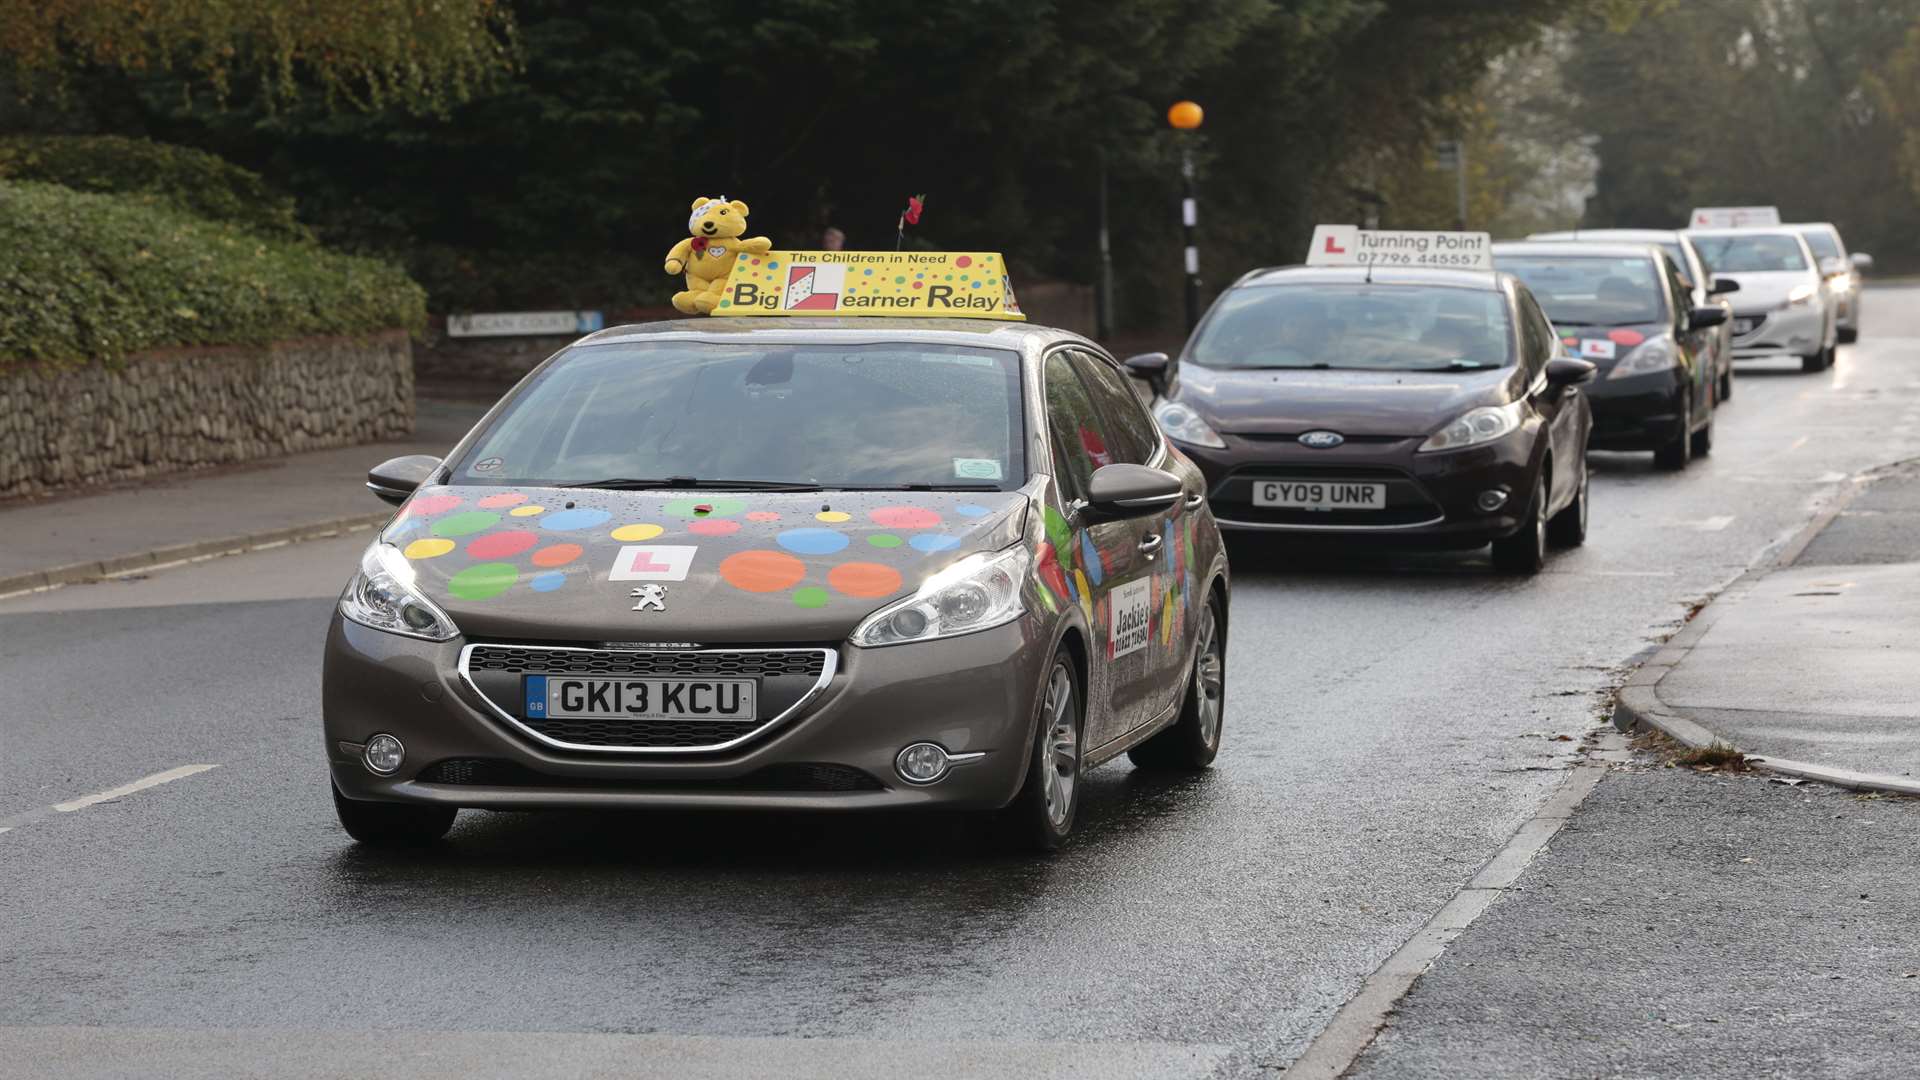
(789, 564)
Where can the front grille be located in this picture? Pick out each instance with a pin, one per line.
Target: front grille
(649, 733)
(799, 662)
(1293, 439)
(798, 776)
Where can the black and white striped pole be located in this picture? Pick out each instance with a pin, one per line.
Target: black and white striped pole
(1186, 116)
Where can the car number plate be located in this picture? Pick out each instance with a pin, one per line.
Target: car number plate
(1319, 495)
(573, 697)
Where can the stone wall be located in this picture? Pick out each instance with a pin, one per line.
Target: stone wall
(176, 409)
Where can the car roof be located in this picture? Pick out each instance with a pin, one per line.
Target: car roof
(841, 330)
(1596, 235)
(1827, 225)
(1751, 230)
(1328, 275)
(1618, 249)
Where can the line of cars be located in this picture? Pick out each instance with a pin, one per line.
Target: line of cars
(883, 562)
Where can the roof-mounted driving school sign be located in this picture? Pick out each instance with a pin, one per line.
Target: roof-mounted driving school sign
(953, 284)
(1733, 217)
(1350, 245)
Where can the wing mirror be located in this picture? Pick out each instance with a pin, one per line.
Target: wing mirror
(1151, 368)
(1723, 285)
(1702, 317)
(395, 479)
(1124, 491)
(1565, 371)
(1861, 260)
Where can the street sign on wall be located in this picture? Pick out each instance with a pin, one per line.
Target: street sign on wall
(524, 323)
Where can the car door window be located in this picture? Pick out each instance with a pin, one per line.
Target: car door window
(1133, 438)
(1537, 342)
(1080, 443)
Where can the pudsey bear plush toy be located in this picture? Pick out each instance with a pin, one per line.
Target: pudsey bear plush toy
(707, 256)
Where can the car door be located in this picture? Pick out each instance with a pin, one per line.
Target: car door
(1160, 662)
(1095, 556)
(1720, 338)
(1696, 346)
(1566, 431)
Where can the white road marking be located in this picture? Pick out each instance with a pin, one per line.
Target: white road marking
(141, 784)
(1798, 443)
(1712, 524)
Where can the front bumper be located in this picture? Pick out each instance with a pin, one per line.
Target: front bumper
(1639, 412)
(972, 694)
(1781, 332)
(1430, 497)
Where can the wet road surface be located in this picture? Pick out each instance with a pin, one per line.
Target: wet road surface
(1391, 720)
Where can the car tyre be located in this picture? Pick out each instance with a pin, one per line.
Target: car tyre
(1703, 439)
(1726, 386)
(392, 825)
(1040, 818)
(1677, 454)
(1569, 527)
(1193, 740)
(1819, 361)
(1849, 335)
(1525, 552)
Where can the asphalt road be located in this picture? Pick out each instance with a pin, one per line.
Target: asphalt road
(1391, 721)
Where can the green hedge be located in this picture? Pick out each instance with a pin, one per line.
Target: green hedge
(193, 180)
(94, 277)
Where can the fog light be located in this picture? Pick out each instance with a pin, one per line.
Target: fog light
(383, 754)
(1491, 499)
(922, 763)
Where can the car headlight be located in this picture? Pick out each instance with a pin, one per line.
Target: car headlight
(1801, 294)
(1484, 424)
(1841, 284)
(1182, 424)
(1657, 354)
(977, 593)
(382, 596)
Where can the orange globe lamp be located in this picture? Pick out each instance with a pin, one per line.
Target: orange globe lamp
(1185, 115)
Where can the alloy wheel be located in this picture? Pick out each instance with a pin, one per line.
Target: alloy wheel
(1209, 677)
(1061, 765)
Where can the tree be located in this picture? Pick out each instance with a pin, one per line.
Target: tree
(368, 54)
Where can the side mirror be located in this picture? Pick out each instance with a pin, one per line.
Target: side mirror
(395, 479)
(1702, 317)
(1565, 371)
(1861, 260)
(1151, 367)
(1124, 491)
(1723, 285)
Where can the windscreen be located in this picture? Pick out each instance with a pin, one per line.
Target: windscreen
(1822, 242)
(1592, 290)
(1758, 253)
(1361, 327)
(829, 415)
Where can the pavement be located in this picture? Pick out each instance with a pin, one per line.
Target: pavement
(1811, 663)
(181, 516)
(1684, 924)
(181, 902)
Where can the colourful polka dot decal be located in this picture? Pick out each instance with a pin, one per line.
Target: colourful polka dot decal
(429, 505)
(932, 542)
(504, 499)
(812, 596)
(557, 554)
(813, 541)
(427, 549)
(971, 510)
(833, 515)
(864, 579)
(905, 517)
(719, 527)
(636, 533)
(884, 540)
(547, 581)
(762, 571)
(465, 523)
(762, 515)
(483, 581)
(526, 511)
(502, 545)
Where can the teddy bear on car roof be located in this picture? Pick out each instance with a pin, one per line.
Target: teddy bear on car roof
(707, 256)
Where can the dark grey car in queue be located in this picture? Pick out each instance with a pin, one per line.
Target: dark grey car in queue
(1626, 308)
(1428, 408)
(783, 564)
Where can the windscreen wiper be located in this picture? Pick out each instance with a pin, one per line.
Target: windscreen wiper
(634, 483)
(1571, 322)
(916, 487)
(1459, 365)
(1288, 367)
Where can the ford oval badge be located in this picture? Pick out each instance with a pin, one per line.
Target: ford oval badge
(1322, 440)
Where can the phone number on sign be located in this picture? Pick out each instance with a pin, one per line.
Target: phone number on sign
(1415, 258)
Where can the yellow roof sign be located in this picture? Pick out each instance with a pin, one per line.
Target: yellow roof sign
(921, 284)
